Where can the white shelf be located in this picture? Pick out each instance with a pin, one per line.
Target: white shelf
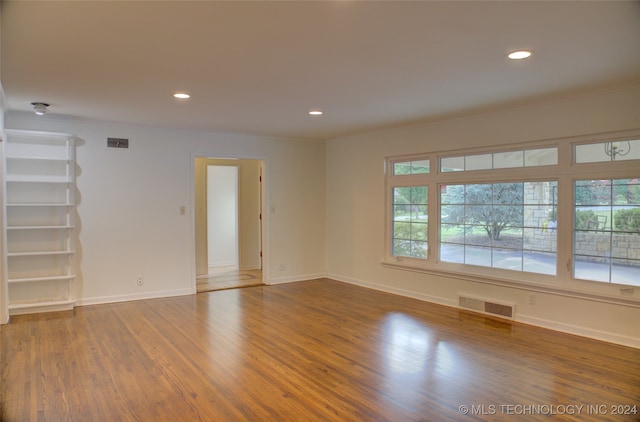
(40, 253)
(39, 175)
(35, 134)
(37, 279)
(42, 306)
(38, 179)
(39, 227)
(38, 158)
(41, 205)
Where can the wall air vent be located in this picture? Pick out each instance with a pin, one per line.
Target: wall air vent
(120, 143)
(488, 307)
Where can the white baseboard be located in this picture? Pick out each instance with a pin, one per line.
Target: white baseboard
(525, 319)
(580, 331)
(250, 268)
(130, 297)
(292, 279)
(394, 290)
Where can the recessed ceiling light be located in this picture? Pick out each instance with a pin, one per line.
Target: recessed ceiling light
(520, 54)
(40, 108)
(316, 112)
(182, 95)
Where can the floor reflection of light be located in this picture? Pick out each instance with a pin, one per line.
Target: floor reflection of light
(408, 345)
(445, 360)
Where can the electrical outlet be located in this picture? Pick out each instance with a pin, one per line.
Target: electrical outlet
(532, 299)
(282, 267)
(140, 280)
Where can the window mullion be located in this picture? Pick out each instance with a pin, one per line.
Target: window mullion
(565, 228)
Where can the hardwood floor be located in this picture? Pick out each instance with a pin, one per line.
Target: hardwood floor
(230, 279)
(310, 351)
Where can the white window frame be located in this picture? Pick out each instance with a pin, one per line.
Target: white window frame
(565, 172)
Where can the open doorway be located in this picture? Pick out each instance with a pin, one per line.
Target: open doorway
(228, 225)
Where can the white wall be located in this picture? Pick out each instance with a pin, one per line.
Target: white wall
(129, 218)
(222, 216)
(355, 207)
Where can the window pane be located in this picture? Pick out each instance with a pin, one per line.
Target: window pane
(586, 269)
(452, 214)
(420, 167)
(411, 167)
(452, 194)
(401, 168)
(478, 162)
(607, 231)
(419, 231)
(401, 212)
(626, 192)
(501, 160)
(477, 255)
(402, 230)
(402, 195)
(449, 164)
(508, 193)
(451, 252)
(507, 259)
(590, 153)
(401, 247)
(509, 159)
(541, 263)
(593, 192)
(410, 225)
(497, 228)
(607, 151)
(626, 273)
(418, 249)
(541, 157)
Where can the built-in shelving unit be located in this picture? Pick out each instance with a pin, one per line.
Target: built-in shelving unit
(39, 211)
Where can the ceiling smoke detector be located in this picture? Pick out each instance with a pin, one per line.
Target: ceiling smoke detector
(40, 108)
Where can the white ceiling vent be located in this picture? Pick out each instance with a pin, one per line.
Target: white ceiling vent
(487, 306)
(118, 143)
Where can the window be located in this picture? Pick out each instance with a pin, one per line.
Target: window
(499, 225)
(500, 160)
(607, 151)
(606, 243)
(410, 224)
(562, 214)
(411, 167)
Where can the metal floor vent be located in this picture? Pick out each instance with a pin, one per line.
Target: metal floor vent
(122, 143)
(487, 307)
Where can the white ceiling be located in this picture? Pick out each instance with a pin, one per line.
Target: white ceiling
(259, 67)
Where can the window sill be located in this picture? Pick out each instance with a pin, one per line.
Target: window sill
(628, 295)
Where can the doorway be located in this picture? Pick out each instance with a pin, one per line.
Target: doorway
(228, 226)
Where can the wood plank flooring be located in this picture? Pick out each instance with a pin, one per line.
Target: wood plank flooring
(231, 279)
(317, 350)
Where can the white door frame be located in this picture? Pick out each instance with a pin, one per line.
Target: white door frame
(264, 192)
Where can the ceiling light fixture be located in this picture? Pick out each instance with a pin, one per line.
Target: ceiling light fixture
(40, 108)
(182, 95)
(316, 112)
(520, 54)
